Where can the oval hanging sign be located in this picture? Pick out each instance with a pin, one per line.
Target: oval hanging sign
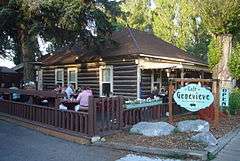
(193, 97)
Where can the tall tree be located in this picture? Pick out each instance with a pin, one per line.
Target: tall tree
(221, 18)
(65, 23)
(234, 63)
(198, 46)
(174, 21)
(136, 14)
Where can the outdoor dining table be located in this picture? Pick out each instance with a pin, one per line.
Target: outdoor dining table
(70, 104)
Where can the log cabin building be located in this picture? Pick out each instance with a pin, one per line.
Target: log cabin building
(140, 62)
(9, 77)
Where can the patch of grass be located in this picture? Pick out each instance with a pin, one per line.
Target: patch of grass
(210, 156)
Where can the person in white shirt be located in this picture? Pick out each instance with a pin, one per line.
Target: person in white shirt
(69, 91)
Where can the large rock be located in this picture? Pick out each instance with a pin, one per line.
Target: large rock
(95, 139)
(193, 126)
(206, 137)
(152, 128)
(132, 157)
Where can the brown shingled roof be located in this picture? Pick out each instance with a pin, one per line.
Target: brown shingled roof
(138, 42)
(131, 42)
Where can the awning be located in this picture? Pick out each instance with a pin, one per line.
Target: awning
(159, 65)
(146, 64)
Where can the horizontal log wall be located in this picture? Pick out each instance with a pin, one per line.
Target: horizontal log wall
(146, 83)
(124, 78)
(88, 75)
(48, 78)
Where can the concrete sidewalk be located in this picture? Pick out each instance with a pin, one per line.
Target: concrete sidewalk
(21, 144)
(231, 152)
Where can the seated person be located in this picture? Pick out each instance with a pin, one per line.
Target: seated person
(83, 99)
(57, 88)
(62, 107)
(15, 95)
(163, 92)
(69, 91)
(155, 92)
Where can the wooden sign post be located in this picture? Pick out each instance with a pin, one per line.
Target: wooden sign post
(170, 102)
(215, 91)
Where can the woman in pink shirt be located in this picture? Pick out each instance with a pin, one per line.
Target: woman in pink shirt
(83, 99)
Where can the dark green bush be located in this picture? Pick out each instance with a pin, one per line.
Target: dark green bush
(234, 101)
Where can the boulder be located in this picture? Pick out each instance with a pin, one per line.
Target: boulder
(95, 139)
(132, 157)
(193, 126)
(152, 128)
(206, 137)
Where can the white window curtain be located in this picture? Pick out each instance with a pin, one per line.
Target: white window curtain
(106, 80)
(59, 77)
(72, 77)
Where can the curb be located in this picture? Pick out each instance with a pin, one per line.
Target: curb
(47, 130)
(155, 151)
(223, 141)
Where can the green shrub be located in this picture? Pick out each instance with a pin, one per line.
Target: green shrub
(234, 101)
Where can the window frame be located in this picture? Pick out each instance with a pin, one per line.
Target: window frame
(56, 80)
(153, 82)
(76, 74)
(101, 80)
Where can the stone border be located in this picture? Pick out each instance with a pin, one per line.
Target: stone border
(55, 132)
(203, 155)
(223, 141)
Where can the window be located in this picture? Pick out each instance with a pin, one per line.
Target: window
(59, 77)
(106, 80)
(156, 82)
(72, 77)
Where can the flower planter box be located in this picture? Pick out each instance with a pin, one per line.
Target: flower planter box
(142, 105)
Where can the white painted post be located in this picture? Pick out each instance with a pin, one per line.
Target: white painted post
(182, 76)
(138, 81)
(160, 83)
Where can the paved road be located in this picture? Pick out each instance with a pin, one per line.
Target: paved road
(231, 152)
(21, 144)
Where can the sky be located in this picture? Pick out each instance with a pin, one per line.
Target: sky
(6, 63)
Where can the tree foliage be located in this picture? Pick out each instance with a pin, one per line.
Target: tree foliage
(174, 21)
(220, 16)
(198, 47)
(64, 23)
(135, 14)
(214, 52)
(234, 63)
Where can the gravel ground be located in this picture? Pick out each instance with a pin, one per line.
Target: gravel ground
(22, 144)
(226, 124)
(177, 140)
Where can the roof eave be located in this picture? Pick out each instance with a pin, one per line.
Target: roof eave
(173, 59)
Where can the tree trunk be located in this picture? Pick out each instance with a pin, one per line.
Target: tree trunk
(27, 57)
(222, 71)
